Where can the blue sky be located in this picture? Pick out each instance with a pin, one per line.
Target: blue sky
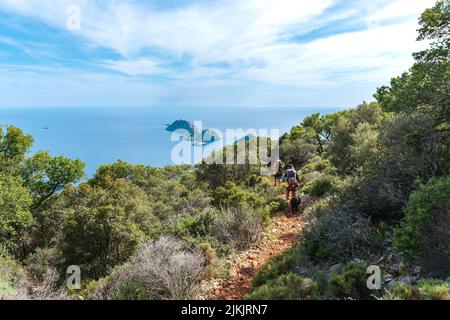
(203, 52)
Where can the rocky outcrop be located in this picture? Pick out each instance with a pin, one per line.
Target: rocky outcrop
(183, 125)
(194, 133)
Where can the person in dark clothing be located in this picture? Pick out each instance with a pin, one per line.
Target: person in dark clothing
(278, 173)
(291, 177)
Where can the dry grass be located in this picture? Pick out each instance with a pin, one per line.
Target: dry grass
(160, 270)
(239, 227)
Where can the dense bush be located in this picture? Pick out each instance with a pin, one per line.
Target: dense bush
(365, 144)
(171, 192)
(193, 202)
(322, 185)
(339, 234)
(402, 291)
(424, 236)
(276, 267)
(16, 284)
(432, 289)
(13, 281)
(103, 226)
(347, 132)
(160, 270)
(6, 290)
(410, 153)
(200, 225)
(278, 205)
(426, 289)
(14, 145)
(223, 166)
(239, 227)
(351, 283)
(46, 176)
(286, 287)
(232, 195)
(318, 164)
(297, 152)
(15, 215)
(38, 263)
(410, 150)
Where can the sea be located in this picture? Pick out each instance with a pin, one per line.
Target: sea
(138, 134)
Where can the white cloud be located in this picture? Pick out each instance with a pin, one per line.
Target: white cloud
(130, 26)
(400, 8)
(139, 67)
(253, 38)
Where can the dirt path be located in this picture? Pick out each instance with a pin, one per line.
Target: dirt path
(281, 234)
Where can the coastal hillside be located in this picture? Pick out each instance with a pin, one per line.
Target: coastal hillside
(374, 186)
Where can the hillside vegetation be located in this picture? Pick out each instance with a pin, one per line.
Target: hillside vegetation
(381, 171)
(379, 175)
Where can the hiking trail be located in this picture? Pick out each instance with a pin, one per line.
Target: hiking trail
(282, 233)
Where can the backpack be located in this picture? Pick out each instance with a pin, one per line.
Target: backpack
(290, 177)
(290, 173)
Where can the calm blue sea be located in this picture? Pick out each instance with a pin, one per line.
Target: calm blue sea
(136, 135)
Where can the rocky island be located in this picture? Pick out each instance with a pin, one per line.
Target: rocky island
(194, 133)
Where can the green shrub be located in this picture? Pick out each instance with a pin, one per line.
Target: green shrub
(12, 279)
(318, 164)
(321, 278)
(339, 234)
(297, 152)
(89, 287)
(409, 154)
(131, 288)
(38, 263)
(103, 226)
(344, 133)
(321, 185)
(264, 215)
(423, 236)
(276, 267)
(320, 252)
(286, 287)
(351, 283)
(15, 216)
(232, 195)
(431, 289)
(11, 269)
(195, 226)
(218, 175)
(99, 289)
(6, 290)
(278, 205)
(365, 144)
(402, 291)
(222, 249)
(215, 267)
(426, 289)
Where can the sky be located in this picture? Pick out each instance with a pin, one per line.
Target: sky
(299, 53)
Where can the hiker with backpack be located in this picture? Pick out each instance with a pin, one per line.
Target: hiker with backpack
(291, 177)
